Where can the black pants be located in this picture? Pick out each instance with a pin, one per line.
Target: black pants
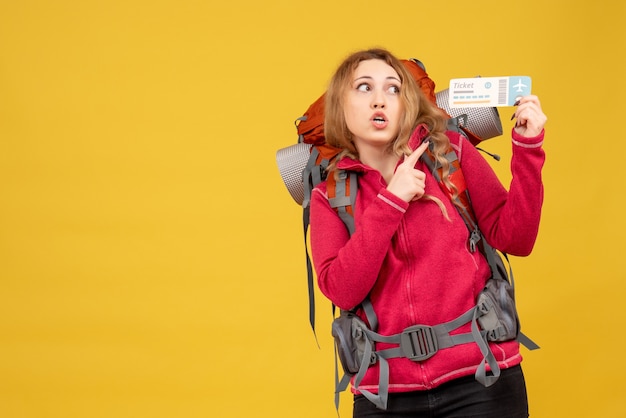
(460, 398)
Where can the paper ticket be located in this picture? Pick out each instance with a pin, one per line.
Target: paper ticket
(487, 91)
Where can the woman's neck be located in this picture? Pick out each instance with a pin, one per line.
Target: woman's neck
(380, 159)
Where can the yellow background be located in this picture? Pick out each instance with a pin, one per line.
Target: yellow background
(151, 260)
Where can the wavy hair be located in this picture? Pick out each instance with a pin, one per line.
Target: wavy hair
(417, 110)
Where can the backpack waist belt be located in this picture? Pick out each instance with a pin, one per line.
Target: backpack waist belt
(419, 343)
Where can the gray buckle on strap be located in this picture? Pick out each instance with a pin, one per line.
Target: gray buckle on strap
(418, 342)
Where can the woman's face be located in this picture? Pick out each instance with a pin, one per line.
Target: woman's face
(372, 105)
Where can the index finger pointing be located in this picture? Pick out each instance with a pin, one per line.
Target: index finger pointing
(415, 155)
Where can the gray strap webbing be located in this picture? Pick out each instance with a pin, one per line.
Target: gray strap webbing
(488, 358)
(380, 400)
(341, 201)
(526, 342)
(309, 271)
(372, 319)
(441, 331)
(295, 122)
(454, 124)
(308, 188)
(444, 340)
(308, 176)
(340, 385)
(311, 176)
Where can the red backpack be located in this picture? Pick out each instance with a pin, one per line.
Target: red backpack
(311, 125)
(304, 165)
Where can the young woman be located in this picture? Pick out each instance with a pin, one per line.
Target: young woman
(409, 252)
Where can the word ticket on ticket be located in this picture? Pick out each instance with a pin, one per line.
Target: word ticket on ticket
(487, 91)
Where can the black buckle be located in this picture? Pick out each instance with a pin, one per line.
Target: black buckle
(418, 342)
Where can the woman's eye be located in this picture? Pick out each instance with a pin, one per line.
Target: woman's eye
(394, 89)
(363, 87)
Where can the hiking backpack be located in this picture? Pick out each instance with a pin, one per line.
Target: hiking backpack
(304, 165)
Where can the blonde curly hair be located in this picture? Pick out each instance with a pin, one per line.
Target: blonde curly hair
(417, 110)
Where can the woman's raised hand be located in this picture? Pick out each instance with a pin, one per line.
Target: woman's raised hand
(408, 182)
(530, 117)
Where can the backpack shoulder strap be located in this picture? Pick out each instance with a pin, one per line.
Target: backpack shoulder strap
(312, 175)
(342, 189)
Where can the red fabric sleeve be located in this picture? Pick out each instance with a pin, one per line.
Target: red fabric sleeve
(347, 267)
(508, 220)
